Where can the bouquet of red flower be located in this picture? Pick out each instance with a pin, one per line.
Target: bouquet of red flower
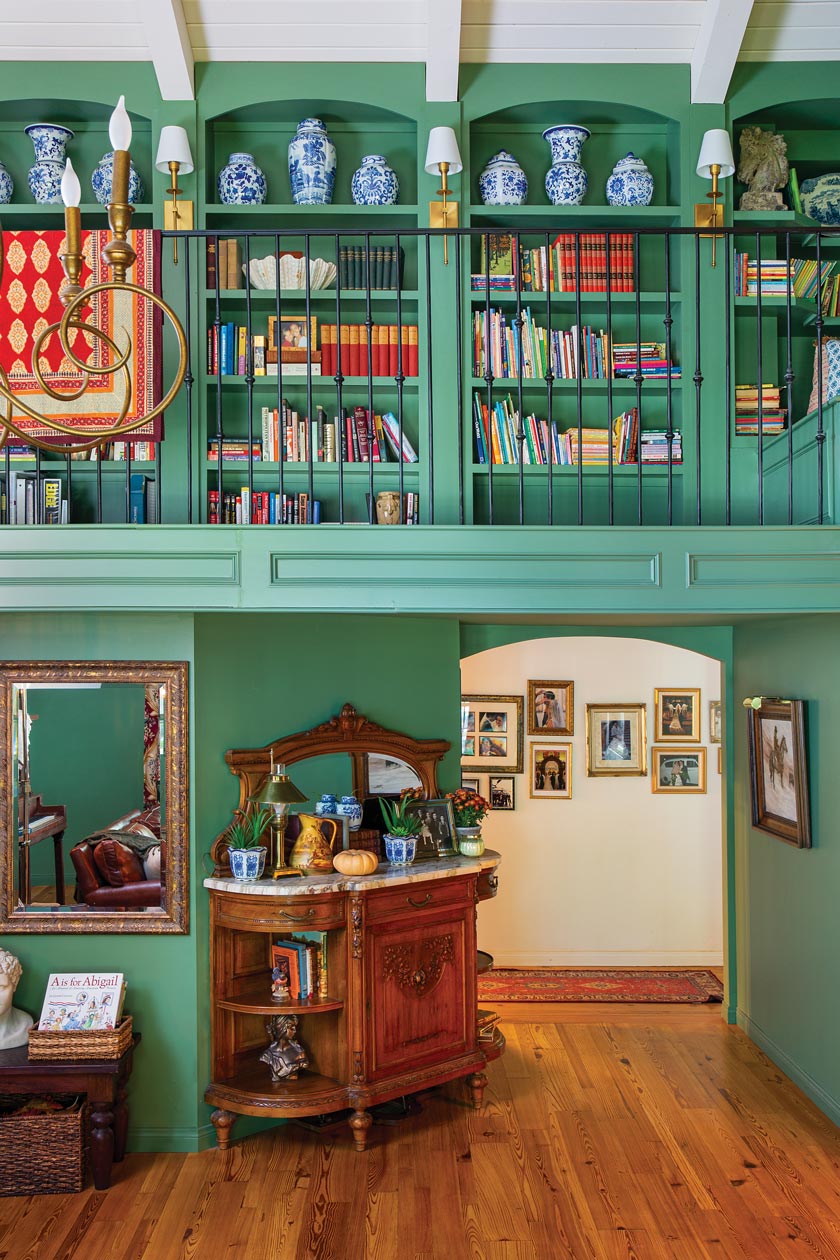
(469, 808)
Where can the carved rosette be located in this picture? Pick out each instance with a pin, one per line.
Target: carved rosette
(417, 968)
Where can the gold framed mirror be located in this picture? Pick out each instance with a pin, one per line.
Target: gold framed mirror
(94, 796)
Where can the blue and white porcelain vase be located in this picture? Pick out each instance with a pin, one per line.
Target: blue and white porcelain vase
(241, 182)
(102, 180)
(565, 182)
(821, 198)
(351, 809)
(400, 850)
(375, 183)
(327, 804)
(503, 181)
(7, 186)
(50, 141)
(311, 164)
(247, 865)
(631, 183)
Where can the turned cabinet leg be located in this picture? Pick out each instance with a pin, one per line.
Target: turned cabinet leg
(477, 1083)
(222, 1122)
(101, 1143)
(360, 1122)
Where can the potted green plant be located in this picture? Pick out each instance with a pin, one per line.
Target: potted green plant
(402, 830)
(247, 854)
(469, 809)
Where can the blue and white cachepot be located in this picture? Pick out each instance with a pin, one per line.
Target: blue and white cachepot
(247, 865)
(311, 164)
(7, 186)
(351, 809)
(566, 181)
(327, 804)
(631, 183)
(50, 141)
(400, 850)
(821, 198)
(241, 182)
(503, 181)
(375, 183)
(102, 180)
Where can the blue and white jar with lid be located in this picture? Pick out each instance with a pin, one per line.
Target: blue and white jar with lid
(311, 164)
(351, 809)
(327, 804)
(503, 181)
(102, 180)
(241, 182)
(7, 186)
(631, 183)
(375, 183)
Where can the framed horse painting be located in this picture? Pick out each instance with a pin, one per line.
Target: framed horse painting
(779, 771)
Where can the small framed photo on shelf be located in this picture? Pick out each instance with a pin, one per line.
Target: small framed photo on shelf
(680, 770)
(714, 722)
(551, 708)
(491, 734)
(502, 791)
(437, 833)
(779, 771)
(677, 715)
(293, 334)
(616, 739)
(551, 772)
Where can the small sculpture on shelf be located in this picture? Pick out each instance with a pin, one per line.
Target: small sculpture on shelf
(14, 1023)
(7, 186)
(764, 168)
(280, 986)
(285, 1056)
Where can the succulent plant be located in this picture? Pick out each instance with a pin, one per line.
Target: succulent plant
(246, 831)
(397, 819)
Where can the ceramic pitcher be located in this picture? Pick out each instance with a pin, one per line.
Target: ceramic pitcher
(312, 851)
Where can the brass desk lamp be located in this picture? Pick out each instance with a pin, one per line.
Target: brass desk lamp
(278, 793)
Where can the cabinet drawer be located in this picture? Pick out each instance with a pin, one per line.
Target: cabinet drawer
(411, 898)
(280, 914)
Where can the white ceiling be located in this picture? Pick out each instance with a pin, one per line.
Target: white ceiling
(709, 34)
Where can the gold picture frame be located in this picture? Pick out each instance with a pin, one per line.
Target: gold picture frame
(677, 771)
(677, 715)
(550, 775)
(289, 339)
(616, 739)
(551, 707)
(715, 727)
(491, 734)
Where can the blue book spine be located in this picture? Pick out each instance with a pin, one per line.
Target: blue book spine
(137, 499)
(316, 511)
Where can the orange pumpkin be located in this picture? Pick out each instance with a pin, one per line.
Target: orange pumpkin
(355, 862)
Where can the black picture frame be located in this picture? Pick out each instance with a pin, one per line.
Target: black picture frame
(438, 837)
(779, 794)
(501, 792)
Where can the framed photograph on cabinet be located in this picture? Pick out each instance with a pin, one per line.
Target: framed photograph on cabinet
(678, 770)
(616, 739)
(551, 708)
(677, 715)
(491, 734)
(502, 791)
(437, 827)
(551, 772)
(779, 771)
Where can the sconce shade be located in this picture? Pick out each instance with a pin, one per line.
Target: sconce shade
(716, 150)
(174, 146)
(278, 789)
(443, 147)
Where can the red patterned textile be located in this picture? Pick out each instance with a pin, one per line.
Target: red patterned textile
(598, 984)
(29, 302)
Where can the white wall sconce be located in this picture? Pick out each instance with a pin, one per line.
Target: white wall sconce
(715, 162)
(444, 157)
(174, 155)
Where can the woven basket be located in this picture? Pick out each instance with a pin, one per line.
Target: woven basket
(82, 1043)
(42, 1153)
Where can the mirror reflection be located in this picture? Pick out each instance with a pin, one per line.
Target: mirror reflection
(389, 776)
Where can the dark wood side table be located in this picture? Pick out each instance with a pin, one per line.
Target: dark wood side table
(104, 1081)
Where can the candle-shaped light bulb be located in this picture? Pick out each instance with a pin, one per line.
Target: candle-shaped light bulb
(119, 128)
(71, 189)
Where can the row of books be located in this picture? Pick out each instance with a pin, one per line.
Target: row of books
(299, 964)
(749, 400)
(645, 358)
(389, 348)
(263, 507)
(20, 453)
(574, 261)
(780, 276)
(29, 499)
(224, 263)
(499, 440)
(286, 435)
(384, 263)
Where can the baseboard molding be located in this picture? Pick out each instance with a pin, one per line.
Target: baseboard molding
(607, 958)
(820, 1097)
(168, 1141)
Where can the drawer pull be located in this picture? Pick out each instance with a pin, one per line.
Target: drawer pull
(493, 883)
(298, 918)
(417, 904)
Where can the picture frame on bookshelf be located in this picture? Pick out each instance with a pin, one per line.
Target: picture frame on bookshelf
(491, 733)
(616, 739)
(677, 718)
(551, 707)
(779, 771)
(293, 335)
(678, 771)
(551, 772)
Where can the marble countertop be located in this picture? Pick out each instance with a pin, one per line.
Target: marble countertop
(386, 876)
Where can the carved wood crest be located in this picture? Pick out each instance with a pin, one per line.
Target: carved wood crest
(418, 966)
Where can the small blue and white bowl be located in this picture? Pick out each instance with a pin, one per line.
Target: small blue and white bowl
(400, 850)
(247, 865)
(375, 183)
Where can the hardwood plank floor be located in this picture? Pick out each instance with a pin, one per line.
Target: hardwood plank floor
(609, 1132)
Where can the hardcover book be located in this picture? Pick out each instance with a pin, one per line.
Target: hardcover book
(82, 999)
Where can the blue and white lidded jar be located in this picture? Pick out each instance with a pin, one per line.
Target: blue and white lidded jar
(375, 183)
(241, 182)
(102, 179)
(351, 809)
(311, 164)
(631, 183)
(566, 180)
(503, 181)
(7, 186)
(327, 804)
(50, 142)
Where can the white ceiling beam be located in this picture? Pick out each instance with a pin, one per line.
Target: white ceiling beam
(716, 51)
(443, 50)
(169, 47)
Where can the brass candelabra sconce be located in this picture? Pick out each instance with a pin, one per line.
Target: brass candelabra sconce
(119, 256)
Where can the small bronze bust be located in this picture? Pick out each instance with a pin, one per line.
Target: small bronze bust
(285, 1056)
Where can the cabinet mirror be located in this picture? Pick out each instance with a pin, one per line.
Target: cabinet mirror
(93, 796)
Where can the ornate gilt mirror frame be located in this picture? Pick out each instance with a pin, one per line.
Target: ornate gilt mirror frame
(349, 732)
(173, 917)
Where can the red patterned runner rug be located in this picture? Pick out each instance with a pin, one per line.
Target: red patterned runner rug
(599, 984)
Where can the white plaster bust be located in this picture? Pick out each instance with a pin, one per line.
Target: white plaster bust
(14, 1024)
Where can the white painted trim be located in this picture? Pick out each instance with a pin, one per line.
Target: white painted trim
(716, 50)
(169, 47)
(820, 1097)
(443, 50)
(607, 958)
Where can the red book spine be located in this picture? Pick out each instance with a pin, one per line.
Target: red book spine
(360, 418)
(413, 368)
(327, 349)
(212, 507)
(349, 454)
(355, 361)
(403, 331)
(631, 264)
(393, 349)
(375, 343)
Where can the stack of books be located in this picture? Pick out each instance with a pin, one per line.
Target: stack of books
(773, 415)
(29, 499)
(224, 263)
(384, 350)
(261, 508)
(647, 358)
(497, 438)
(592, 446)
(555, 269)
(655, 446)
(385, 266)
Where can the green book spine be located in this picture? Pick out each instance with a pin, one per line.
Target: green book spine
(342, 267)
(793, 186)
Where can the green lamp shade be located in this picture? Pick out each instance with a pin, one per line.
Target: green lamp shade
(278, 789)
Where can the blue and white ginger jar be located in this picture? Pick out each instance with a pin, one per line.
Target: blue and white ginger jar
(566, 180)
(102, 180)
(821, 198)
(7, 186)
(311, 164)
(50, 141)
(375, 183)
(241, 182)
(327, 804)
(351, 809)
(503, 181)
(630, 184)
